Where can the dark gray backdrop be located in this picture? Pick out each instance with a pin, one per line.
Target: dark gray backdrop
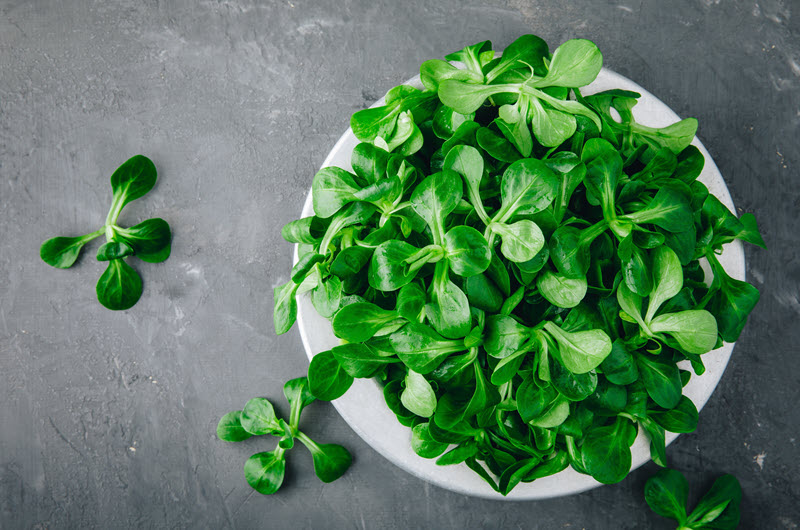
(107, 419)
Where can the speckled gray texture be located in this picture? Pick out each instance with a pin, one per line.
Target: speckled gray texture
(107, 419)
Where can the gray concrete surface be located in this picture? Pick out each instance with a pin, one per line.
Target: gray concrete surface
(107, 419)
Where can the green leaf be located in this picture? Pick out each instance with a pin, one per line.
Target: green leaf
(496, 146)
(264, 471)
(62, 252)
(448, 308)
(369, 124)
(574, 387)
(287, 440)
(411, 302)
(569, 252)
(620, 366)
(158, 256)
(731, 303)
(508, 366)
(608, 399)
(446, 121)
(559, 462)
(662, 379)
(581, 351)
(258, 417)
(575, 63)
(458, 454)
(391, 395)
(306, 230)
(388, 269)
(719, 508)
(695, 330)
(361, 321)
(560, 290)
(150, 239)
(637, 399)
(521, 241)
(113, 250)
(304, 266)
(570, 170)
(690, 164)
(461, 403)
(483, 294)
(468, 162)
(350, 261)
(675, 137)
(299, 396)
(636, 268)
(498, 273)
(332, 188)
(327, 380)
(669, 210)
(229, 428)
(467, 251)
(749, 231)
(453, 366)
(555, 413)
(421, 348)
(369, 162)
(606, 451)
(551, 127)
(666, 493)
(668, 279)
(326, 296)
(407, 138)
(434, 71)
(474, 56)
(119, 287)
(514, 474)
(466, 98)
(285, 312)
(512, 121)
(525, 53)
(504, 336)
(566, 105)
(330, 460)
(528, 186)
(436, 197)
(423, 444)
(631, 304)
(681, 418)
(133, 179)
(418, 396)
(603, 171)
(465, 134)
(359, 360)
(532, 400)
(657, 437)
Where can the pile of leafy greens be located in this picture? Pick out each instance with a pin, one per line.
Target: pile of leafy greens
(120, 286)
(519, 265)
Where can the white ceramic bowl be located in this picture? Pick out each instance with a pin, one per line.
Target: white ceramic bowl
(364, 409)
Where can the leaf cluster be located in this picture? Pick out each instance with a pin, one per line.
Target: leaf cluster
(265, 471)
(120, 286)
(521, 274)
(667, 492)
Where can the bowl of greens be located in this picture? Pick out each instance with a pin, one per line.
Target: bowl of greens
(518, 276)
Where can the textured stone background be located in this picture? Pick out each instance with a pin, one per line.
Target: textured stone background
(107, 419)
